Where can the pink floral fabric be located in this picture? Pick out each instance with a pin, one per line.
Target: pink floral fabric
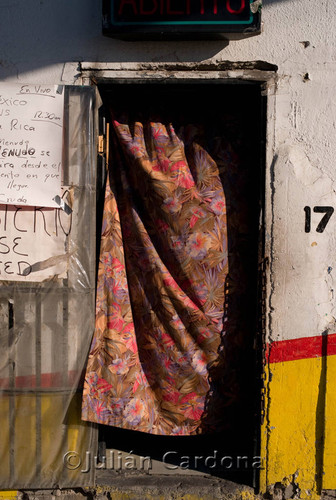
(155, 359)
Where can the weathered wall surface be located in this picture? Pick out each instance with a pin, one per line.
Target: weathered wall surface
(40, 39)
(44, 41)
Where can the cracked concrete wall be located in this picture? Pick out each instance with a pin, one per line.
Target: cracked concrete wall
(44, 42)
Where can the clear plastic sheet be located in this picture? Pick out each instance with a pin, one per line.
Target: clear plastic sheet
(46, 323)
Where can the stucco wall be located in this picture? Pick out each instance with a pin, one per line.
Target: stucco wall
(40, 38)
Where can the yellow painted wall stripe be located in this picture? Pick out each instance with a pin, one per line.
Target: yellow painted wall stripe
(298, 435)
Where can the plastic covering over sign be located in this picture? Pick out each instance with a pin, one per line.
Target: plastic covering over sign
(34, 241)
(31, 137)
(47, 310)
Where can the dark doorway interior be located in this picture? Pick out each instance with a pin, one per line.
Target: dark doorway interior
(230, 120)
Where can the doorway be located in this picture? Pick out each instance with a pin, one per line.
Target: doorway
(230, 120)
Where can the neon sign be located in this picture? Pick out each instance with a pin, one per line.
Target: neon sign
(180, 18)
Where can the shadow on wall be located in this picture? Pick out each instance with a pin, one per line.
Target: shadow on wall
(45, 33)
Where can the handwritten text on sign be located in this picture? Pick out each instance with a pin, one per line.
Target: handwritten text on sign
(34, 241)
(31, 130)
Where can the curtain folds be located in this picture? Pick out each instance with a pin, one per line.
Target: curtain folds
(156, 359)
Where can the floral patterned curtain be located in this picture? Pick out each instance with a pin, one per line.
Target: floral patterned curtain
(156, 359)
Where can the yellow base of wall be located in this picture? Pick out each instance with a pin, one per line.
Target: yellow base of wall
(8, 495)
(299, 433)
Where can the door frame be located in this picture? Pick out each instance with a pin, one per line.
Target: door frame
(224, 72)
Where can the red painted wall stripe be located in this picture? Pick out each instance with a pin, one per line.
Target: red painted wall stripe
(48, 380)
(307, 347)
(277, 352)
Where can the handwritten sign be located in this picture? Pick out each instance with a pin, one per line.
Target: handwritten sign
(34, 241)
(31, 132)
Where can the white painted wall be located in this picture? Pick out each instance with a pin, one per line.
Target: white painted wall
(39, 38)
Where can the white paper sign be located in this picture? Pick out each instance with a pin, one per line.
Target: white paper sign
(31, 132)
(34, 241)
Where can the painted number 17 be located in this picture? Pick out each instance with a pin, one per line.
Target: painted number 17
(327, 211)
